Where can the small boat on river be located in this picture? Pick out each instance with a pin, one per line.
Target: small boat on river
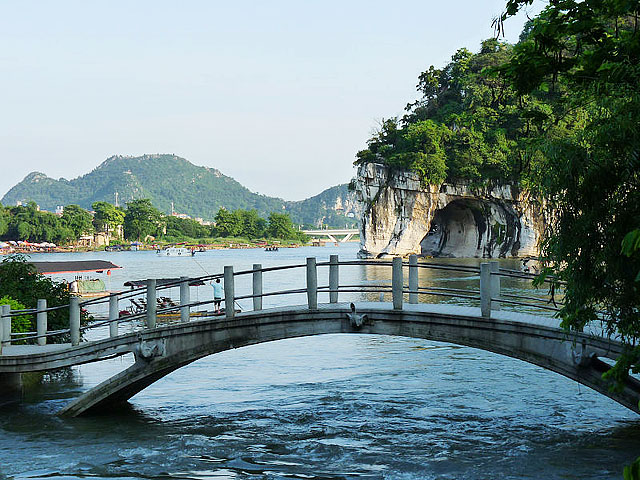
(176, 252)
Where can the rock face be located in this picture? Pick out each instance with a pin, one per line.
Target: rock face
(400, 216)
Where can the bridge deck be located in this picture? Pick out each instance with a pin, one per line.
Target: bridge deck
(444, 309)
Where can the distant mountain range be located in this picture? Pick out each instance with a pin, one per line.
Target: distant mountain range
(196, 191)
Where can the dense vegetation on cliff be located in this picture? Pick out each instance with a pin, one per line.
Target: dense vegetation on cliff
(470, 123)
(166, 179)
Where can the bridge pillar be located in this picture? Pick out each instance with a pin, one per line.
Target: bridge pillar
(151, 303)
(229, 292)
(74, 319)
(334, 278)
(6, 325)
(41, 321)
(312, 283)
(413, 279)
(114, 314)
(185, 299)
(495, 285)
(257, 286)
(397, 283)
(485, 290)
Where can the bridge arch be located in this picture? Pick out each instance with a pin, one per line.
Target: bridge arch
(163, 350)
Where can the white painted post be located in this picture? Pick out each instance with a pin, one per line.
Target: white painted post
(312, 283)
(151, 303)
(397, 283)
(185, 300)
(41, 321)
(6, 325)
(74, 320)
(257, 286)
(229, 292)
(334, 278)
(495, 285)
(485, 290)
(413, 279)
(114, 314)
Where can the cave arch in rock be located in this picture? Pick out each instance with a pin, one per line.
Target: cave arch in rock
(473, 228)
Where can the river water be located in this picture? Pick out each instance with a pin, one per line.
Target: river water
(326, 407)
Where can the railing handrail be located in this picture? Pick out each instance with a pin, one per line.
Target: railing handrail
(333, 289)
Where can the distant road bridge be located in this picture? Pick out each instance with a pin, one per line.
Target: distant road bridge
(160, 350)
(347, 233)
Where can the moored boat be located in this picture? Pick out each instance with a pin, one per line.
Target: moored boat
(176, 252)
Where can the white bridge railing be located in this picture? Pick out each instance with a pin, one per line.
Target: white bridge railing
(488, 296)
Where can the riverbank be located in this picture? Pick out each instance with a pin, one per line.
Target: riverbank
(211, 244)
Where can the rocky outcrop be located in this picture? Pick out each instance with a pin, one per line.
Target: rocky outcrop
(401, 216)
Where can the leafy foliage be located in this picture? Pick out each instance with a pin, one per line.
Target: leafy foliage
(249, 224)
(20, 281)
(77, 219)
(25, 222)
(107, 217)
(19, 323)
(468, 125)
(142, 219)
(588, 53)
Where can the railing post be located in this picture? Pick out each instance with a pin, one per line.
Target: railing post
(312, 283)
(397, 283)
(257, 286)
(6, 325)
(413, 279)
(114, 314)
(229, 292)
(74, 320)
(41, 321)
(495, 285)
(485, 290)
(151, 303)
(185, 299)
(334, 278)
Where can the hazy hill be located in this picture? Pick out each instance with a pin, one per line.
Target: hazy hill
(196, 191)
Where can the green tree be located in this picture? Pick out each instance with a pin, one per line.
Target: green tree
(20, 281)
(142, 219)
(20, 323)
(77, 219)
(280, 226)
(185, 228)
(4, 221)
(587, 53)
(228, 224)
(253, 225)
(107, 218)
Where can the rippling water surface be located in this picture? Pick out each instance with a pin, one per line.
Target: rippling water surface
(327, 407)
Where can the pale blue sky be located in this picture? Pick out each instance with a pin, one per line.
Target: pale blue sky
(279, 95)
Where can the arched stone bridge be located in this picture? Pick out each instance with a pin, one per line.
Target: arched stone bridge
(161, 350)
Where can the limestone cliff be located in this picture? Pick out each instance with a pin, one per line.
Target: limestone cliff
(400, 216)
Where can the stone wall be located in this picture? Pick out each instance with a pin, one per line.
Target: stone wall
(401, 216)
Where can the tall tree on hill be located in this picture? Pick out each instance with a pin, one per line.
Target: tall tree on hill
(141, 220)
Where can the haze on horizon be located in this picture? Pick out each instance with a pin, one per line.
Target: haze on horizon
(279, 96)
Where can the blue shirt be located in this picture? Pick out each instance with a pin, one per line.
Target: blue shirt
(217, 290)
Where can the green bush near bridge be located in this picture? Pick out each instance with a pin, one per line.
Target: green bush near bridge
(20, 282)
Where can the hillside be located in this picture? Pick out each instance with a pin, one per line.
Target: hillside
(194, 190)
